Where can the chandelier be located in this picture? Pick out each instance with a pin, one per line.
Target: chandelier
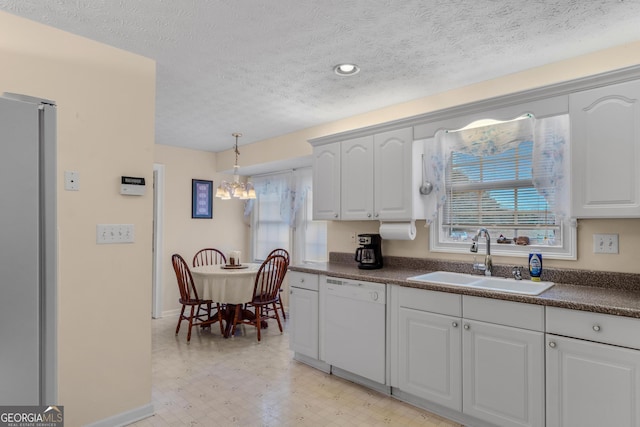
(237, 189)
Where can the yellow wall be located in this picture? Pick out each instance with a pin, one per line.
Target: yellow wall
(295, 144)
(625, 261)
(105, 100)
(183, 235)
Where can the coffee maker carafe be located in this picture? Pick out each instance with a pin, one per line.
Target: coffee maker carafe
(369, 254)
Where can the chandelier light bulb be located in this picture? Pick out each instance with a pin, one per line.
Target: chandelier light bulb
(236, 189)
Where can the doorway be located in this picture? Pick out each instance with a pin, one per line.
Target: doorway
(158, 212)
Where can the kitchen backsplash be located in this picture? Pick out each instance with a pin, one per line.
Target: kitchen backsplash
(601, 279)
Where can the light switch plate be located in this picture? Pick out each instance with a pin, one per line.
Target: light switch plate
(114, 233)
(605, 243)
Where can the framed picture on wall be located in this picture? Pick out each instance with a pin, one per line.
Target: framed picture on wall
(201, 198)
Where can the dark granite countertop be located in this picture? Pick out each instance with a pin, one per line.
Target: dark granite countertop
(599, 292)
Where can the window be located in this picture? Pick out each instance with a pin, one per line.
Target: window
(270, 231)
(311, 235)
(281, 217)
(509, 177)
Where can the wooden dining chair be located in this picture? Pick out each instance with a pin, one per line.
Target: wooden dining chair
(208, 256)
(211, 256)
(285, 254)
(265, 293)
(199, 313)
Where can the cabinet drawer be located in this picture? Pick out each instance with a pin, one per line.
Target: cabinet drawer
(509, 313)
(604, 328)
(433, 301)
(298, 279)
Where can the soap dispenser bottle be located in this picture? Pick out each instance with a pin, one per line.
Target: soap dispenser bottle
(535, 265)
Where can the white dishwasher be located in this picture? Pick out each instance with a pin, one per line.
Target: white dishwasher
(355, 327)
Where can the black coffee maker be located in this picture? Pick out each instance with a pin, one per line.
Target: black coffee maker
(369, 254)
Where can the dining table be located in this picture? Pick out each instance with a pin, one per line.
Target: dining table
(227, 285)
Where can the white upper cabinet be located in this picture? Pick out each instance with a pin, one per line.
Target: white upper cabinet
(326, 181)
(372, 177)
(357, 179)
(377, 177)
(393, 178)
(605, 151)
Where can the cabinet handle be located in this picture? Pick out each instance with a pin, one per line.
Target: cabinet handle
(552, 344)
(290, 291)
(454, 324)
(335, 215)
(376, 215)
(596, 328)
(301, 280)
(369, 215)
(466, 326)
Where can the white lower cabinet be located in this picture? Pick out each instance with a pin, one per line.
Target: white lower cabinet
(487, 362)
(592, 384)
(430, 357)
(481, 357)
(303, 311)
(503, 361)
(503, 380)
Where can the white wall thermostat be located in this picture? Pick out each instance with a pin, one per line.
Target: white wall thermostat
(131, 186)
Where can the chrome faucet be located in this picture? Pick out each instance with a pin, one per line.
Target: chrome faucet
(487, 267)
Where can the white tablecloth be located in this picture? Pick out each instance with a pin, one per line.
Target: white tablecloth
(229, 286)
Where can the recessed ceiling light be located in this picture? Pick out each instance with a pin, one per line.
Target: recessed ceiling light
(346, 69)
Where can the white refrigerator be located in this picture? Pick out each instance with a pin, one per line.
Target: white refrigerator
(28, 296)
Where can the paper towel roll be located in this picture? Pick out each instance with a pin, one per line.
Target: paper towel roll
(398, 230)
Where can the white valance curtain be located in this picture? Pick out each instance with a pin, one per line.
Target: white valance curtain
(550, 165)
(290, 187)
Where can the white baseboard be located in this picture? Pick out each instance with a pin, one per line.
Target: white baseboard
(171, 313)
(126, 418)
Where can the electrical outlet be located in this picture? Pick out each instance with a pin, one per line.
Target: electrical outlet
(605, 243)
(353, 237)
(71, 181)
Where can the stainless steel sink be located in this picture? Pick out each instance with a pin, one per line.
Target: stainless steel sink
(524, 287)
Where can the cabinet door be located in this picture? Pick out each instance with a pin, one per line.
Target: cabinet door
(503, 380)
(326, 181)
(356, 200)
(303, 326)
(591, 384)
(605, 151)
(430, 357)
(393, 175)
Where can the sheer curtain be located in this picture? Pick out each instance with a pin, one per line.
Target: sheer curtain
(281, 216)
(271, 213)
(550, 167)
(310, 237)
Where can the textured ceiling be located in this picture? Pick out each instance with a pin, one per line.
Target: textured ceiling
(264, 68)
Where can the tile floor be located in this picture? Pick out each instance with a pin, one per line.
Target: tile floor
(239, 382)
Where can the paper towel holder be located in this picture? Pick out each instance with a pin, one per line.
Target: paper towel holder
(398, 230)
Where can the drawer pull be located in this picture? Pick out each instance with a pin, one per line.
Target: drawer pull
(552, 344)
(454, 324)
(596, 328)
(466, 326)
